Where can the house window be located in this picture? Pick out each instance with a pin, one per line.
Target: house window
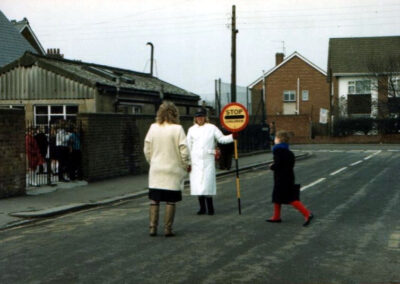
(51, 114)
(21, 107)
(289, 96)
(359, 104)
(304, 95)
(136, 109)
(394, 87)
(359, 87)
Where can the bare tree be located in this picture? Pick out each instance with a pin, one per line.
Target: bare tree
(385, 79)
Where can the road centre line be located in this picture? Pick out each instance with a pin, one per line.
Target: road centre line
(356, 163)
(312, 184)
(338, 171)
(370, 156)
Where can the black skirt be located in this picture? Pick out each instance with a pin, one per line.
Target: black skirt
(165, 195)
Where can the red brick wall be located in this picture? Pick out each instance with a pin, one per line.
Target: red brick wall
(354, 139)
(298, 125)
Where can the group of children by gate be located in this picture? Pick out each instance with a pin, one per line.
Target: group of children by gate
(53, 151)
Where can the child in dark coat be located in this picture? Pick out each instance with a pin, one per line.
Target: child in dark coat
(285, 191)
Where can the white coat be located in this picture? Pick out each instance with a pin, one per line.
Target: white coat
(166, 151)
(201, 143)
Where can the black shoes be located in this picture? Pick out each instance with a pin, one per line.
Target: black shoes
(274, 220)
(306, 223)
(210, 205)
(206, 206)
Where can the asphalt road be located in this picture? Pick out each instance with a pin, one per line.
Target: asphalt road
(354, 193)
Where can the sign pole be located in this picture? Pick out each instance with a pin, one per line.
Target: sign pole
(237, 177)
(234, 117)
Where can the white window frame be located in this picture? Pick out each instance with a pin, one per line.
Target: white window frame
(355, 87)
(305, 95)
(64, 115)
(21, 107)
(289, 96)
(137, 109)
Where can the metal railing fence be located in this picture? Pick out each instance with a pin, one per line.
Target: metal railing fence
(53, 153)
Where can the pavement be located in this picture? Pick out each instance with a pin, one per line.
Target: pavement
(47, 201)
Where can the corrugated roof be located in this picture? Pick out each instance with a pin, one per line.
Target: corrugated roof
(12, 44)
(355, 55)
(94, 74)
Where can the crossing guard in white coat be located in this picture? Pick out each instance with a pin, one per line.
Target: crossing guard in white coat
(201, 140)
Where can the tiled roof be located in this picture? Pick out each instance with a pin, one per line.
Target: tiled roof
(20, 24)
(26, 31)
(290, 57)
(12, 44)
(355, 55)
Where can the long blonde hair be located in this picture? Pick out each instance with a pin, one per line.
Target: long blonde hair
(167, 112)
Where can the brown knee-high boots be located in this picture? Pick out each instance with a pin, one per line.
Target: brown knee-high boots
(169, 219)
(154, 213)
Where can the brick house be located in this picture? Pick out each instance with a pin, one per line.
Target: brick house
(295, 91)
(365, 76)
(52, 88)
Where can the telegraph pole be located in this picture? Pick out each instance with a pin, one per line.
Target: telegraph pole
(234, 32)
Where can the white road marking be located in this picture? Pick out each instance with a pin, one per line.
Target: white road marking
(312, 184)
(338, 171)
(394, 240)
(370, 156)
(356, 163)
(393, 150)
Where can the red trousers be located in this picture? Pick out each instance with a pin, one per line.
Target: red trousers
(296, 204)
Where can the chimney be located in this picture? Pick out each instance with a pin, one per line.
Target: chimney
(279, 58)
(54, 53)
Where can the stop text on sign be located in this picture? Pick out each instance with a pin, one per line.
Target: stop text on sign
(234, 117)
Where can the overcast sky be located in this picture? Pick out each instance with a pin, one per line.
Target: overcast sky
(192, 38)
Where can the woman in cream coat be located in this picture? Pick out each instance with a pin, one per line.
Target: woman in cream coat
(201, 139)
(166, 151)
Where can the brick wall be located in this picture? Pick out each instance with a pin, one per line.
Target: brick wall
(112, 144)
(12, 152)
(298, 125)
(356, 139)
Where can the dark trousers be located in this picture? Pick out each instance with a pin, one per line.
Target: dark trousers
(63, 162)
(75, 165)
